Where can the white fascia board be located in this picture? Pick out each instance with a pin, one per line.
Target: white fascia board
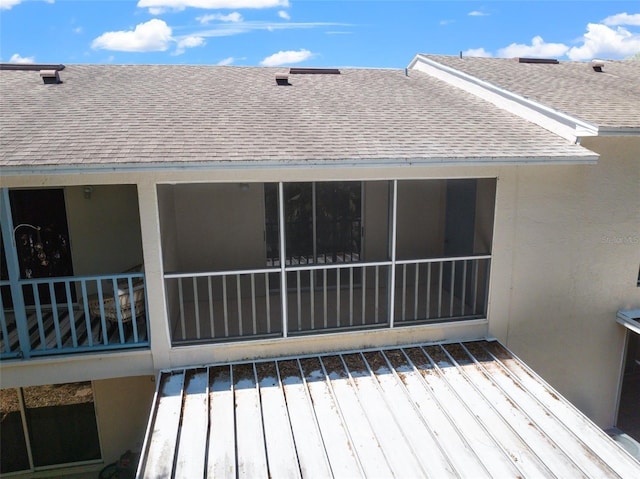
(614, 131)
(630, 319)
(561, 124)
(461, 162)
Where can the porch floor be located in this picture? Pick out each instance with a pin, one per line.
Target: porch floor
(89, 333)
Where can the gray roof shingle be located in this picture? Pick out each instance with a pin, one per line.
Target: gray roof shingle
(609, 99)
(103, 115)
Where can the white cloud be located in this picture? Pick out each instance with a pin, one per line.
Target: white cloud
(211, 4)
(152, 36)
(283, 14)
(226, 61)
(538, 48)
(286, 57)
(622, 19)
(477, 13)
(78, 30)
(446, 22)
(233, 17)
(602, 41)
(16, 58)
(189, 42)
(476, 52)
(8, 4)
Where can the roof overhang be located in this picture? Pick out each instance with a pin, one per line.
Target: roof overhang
(216, 164)
(566, 126)
(437, 410)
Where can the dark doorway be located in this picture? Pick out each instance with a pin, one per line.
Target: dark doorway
(42, 239)
(629, 408)
(460, 221)
(459, 232)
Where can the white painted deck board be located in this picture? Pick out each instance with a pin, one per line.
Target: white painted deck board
(538, 442)
(582, 457)
(378, 413)
(281, 451)
(221, 454)
(524, 459)
(309, 442)
(426, 446)
(191, 453)
(479, 439)
(365, 443)
(391, 438)
(250, 446)
(594, 438)
(339, 449)
(165, 427)
(459, 453)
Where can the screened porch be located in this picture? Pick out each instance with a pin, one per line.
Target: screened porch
(249, 261)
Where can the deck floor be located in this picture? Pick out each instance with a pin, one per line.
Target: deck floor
(450, 410)
(88, 333)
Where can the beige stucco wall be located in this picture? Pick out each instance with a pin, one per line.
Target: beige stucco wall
(122, 411)
(108, 222)
(566, 258)
(219, 226)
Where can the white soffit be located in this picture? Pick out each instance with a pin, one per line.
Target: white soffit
(561, 124)
(454, 410)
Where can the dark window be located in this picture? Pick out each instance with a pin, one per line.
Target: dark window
(61, 426)
(322, 221)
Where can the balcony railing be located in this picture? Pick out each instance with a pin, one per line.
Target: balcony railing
(73, 314)
(249, 304)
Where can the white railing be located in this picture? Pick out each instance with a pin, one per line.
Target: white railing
(245, 304)
(224, 304)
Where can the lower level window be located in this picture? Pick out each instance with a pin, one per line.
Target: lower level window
(45, 426)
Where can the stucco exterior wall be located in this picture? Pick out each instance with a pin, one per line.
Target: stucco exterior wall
(107, 222)
(122, 411)
(568, 239)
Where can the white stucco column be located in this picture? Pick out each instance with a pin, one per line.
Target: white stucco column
(154, 273)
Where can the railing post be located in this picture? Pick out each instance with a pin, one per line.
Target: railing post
(283, 259)
(13, 270)
(392, 280)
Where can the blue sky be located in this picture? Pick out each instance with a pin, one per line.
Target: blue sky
(382, 33)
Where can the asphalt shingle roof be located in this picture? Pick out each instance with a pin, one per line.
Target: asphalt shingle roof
(141, 114)
(610, 98)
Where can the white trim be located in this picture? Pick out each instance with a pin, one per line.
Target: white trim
(213, 165)
(561, 124)
(629, 319)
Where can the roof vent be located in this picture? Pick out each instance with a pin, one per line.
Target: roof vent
(546, 61)
(597, 65)
(50, 76)
(314, 71)
(282, 80)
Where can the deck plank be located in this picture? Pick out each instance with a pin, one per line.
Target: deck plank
(191, 453)
(418, 433)
(281, 451)
(252, 460)
(365, 442)
(166, 425)
(339, 448)
(221, 456)
(309, 443)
